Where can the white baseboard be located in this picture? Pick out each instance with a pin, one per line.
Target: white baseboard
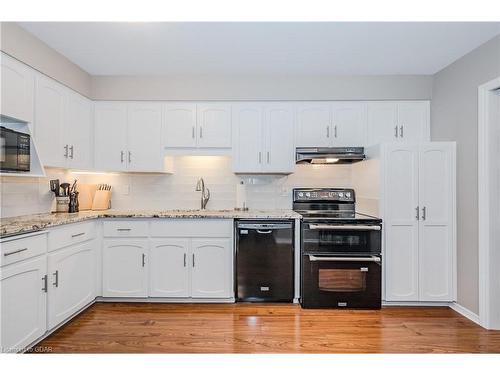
(465, 312)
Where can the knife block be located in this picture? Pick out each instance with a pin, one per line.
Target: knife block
(86, 196)
(102, 200)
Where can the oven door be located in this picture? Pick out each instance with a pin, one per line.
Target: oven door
(346, 239)
(341, 282)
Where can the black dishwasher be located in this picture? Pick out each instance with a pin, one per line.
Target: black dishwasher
(264, 261)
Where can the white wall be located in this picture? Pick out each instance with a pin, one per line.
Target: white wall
(454, 118)
(177, 191)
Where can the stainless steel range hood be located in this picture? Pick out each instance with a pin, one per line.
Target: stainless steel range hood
(329, 155)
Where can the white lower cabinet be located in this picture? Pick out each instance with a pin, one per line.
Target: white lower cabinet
(169, 268)
(24, 303)
(125, 268)
(72, 278)
(211, 262)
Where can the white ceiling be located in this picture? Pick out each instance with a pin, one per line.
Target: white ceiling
(138, 48)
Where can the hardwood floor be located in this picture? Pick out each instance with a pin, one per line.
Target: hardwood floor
(259, 328)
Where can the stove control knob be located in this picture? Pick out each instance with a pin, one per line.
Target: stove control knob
(301, 194)
(308, 195)
(341, 195)
(348, 195)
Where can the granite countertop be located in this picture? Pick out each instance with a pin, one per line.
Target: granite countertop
(30, 223)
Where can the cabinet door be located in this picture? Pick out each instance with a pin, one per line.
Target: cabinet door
(124, 268)
(382, 120)
(314, 121)
(169, 269)
(214, 125)
(413, 121)
(436, 192)
(349, 124)
(18, 85)
(110, 129)
(78, 131)
(24, 303)
(279, 156)
(401, 223)
(211, 268)
(145, 153)
(180, 125)
(248, 138)
(72, 278)
(50, 98)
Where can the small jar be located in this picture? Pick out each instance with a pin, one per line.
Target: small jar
(62, 204)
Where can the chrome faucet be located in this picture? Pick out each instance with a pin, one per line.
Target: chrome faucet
(205, 193)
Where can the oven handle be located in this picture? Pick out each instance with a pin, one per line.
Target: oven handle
(345, 227)
(313, 258)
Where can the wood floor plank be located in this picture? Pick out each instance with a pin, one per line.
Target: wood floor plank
(268, 328)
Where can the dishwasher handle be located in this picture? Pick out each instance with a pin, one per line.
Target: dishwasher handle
(264, 227)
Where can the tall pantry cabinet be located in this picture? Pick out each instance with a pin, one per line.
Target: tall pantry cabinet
(416, 191)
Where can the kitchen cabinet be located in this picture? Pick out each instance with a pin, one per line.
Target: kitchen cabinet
(169, 269)
(17, 89)
(128, 137)
(314, 124)
(398, 121)
(72, 281)
(419, 220)
(348, 124)
(77, 132)
(197, 125)
(263, 140)
(24, 303)
(211, 267)
(125, 268)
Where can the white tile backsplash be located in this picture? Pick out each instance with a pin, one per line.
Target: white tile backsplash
(21, 196)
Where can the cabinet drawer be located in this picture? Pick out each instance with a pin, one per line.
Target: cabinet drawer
(16, 249)
(67, 235)
(125, 228)
(191, 228)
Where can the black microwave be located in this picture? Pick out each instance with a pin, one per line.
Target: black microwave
(14, 151)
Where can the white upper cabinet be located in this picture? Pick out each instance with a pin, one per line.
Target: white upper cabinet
(398, 121)
(248, 127)
(279, 153)
(77, 133)
(197, 125)
(211, 268)
(144, 152)
(180, 125)
(18, 84)
(110, 129)
(128, 137)
(214, 125)
(24, 303)
(72, 281)
(50, 102)
(314, 124)
(349, 124)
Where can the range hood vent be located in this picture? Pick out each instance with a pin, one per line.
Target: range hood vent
(329, 155)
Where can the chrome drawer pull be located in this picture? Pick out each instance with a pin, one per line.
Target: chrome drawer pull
(123, 229)
(56, 281)
(15, 252)
(345, 227)
(78, 234)
(45, 284)
(313, 258)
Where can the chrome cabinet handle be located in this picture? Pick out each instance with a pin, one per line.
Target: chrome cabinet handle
(260, 157)
(201, 132)
(66, 151)
(268, 158)
(123, 229)
(192, 132)
(143, 259)
(56, 281)
(424, 213)
(184, 259)
(78, 234)
(264, 231)
(418, 211)
(130, 157)
(313, 258)
(15, 252)
(396, 131)
(193, 260)
(327, 131)
(45, 284)
(401, 131)
(71, 149)
(121, 156)
(335, 131)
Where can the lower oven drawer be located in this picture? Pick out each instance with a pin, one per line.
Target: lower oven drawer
(341, 282)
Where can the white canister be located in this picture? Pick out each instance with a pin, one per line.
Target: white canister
(241, 196)
(62, 204)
